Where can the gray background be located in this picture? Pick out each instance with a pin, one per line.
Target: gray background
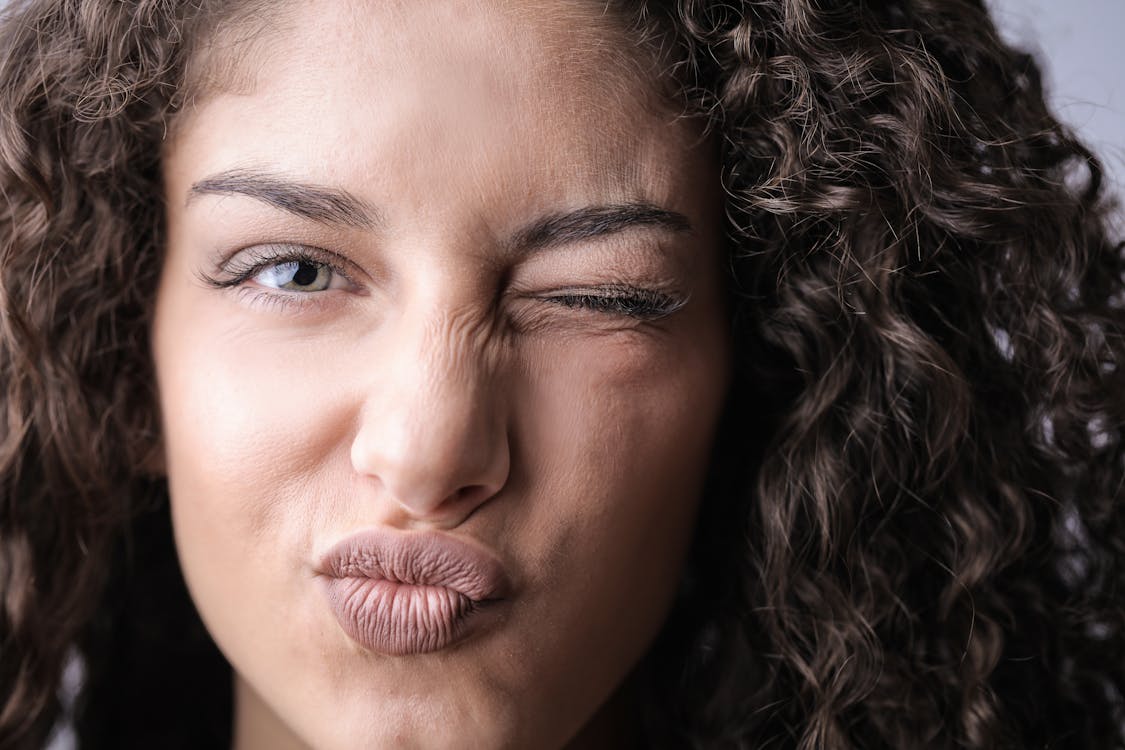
(1081, 46)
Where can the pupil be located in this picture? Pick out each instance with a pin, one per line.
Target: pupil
(306, 274)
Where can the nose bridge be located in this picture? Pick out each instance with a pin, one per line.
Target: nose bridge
(433, 432)
(452, 376)
(453, 353)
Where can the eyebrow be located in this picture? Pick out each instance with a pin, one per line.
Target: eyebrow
(325, 205)
(597, 221)
(334, 206)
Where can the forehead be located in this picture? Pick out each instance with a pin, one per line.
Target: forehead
(358, 91)
(567, 47)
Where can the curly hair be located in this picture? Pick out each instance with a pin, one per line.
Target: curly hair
(918, 495)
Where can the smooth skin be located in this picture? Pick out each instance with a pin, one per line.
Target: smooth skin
(439, 266)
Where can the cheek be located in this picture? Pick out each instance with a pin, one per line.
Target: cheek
(243, 422)
(616, 450)
(249, 426)
(621, 436)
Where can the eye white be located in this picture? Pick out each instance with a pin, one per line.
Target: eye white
(296, 275)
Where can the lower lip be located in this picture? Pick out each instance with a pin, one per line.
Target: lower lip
(399, 619)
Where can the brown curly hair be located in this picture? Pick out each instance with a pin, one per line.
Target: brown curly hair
(919, 490)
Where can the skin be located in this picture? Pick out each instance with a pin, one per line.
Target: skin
(452, 381)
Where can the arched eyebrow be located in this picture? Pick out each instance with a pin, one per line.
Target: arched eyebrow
(596, 221)
(334, 206)
(324, 205)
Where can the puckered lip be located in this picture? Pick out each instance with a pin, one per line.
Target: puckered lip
(418, 559)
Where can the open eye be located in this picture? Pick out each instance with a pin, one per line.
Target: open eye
(285, 268)
(296, 275)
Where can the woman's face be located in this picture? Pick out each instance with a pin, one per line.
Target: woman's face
(441, 349)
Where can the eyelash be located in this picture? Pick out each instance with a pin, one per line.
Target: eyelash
(610, 299)
(619, 299)
(243, 271)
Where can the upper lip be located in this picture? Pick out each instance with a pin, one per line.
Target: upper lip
(419, 559)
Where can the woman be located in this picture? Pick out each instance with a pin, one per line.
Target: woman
(555, 374)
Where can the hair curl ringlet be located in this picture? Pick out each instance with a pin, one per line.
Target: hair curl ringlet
(918, 496)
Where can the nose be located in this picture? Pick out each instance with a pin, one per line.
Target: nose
(432, 429)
